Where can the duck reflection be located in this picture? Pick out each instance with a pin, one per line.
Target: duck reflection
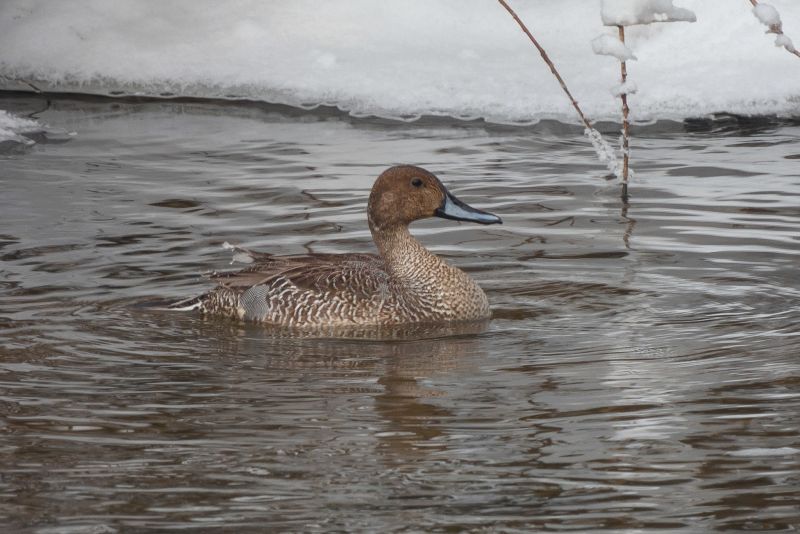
(400, 360)
(414, 422)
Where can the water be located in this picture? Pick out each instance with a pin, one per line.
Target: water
(640, 371)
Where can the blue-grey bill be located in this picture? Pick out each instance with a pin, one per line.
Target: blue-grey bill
(452, 208)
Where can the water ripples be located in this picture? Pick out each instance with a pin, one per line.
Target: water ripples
(639, 372)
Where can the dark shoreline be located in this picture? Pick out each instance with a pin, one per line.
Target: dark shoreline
(716, 123)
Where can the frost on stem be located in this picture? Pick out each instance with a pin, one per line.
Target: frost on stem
(604, 151)
(621, 13)
(769, 17)
(13, 128)
(609, 45)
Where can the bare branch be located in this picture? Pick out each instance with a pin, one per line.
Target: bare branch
(625, 122)
(603, 150)
(546, 59)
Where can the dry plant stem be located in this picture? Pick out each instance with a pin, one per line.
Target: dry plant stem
(546, 59)
(776, 29)
(604, 151)
(625, 123)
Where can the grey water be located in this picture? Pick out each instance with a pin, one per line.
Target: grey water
(641, 371)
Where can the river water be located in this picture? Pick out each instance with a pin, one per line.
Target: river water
(641, 371)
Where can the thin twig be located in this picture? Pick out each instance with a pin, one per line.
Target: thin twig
(625, 122)
(604, 152)
(546, 59)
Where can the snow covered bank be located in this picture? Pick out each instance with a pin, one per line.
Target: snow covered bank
(632, 12)
(402, 58)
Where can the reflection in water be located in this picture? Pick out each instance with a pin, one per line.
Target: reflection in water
(402, 401)
(639, 372)
(414, 422)
(630, 224)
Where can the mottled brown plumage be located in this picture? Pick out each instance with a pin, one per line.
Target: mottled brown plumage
(404, 283)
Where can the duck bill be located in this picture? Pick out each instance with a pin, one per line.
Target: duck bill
(452, 208)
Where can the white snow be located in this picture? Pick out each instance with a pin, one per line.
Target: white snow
(13, 128)
(400, 59)
(608, 45)
(630, 12)
(627, 88)
(784, 41)
(767, 14)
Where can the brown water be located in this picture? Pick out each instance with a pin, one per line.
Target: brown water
(641, 372)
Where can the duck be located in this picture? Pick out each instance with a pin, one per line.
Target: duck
(403, 284)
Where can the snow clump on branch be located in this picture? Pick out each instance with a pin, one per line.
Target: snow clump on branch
(608, 45)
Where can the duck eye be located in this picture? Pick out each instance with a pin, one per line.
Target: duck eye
(416, 182)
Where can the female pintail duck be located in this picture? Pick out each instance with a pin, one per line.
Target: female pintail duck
(405, 283)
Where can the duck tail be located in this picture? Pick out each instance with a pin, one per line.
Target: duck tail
(192, 303)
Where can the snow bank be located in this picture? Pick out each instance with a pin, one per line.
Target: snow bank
(400, 58)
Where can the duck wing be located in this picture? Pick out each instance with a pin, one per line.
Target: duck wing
(361, 275)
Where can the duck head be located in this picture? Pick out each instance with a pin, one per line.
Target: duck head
(404, 194)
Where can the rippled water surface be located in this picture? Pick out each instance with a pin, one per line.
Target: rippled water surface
(641, 371)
